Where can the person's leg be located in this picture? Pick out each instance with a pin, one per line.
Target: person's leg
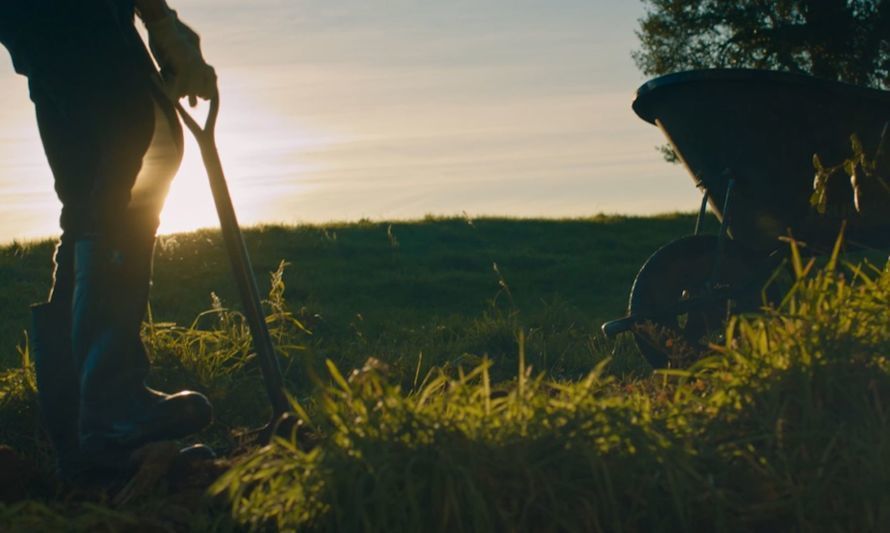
(58, 385)
(96, 125)
(64, 102)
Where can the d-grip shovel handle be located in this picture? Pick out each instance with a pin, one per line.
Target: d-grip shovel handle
(238, 257)
(206, 131)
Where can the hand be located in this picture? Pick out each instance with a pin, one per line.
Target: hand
(177, 49)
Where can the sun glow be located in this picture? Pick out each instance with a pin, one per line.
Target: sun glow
(262, 153)
(189, 204)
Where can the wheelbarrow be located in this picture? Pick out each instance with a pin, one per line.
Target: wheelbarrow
(747, 138)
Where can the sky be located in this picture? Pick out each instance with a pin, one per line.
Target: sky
(395, 109)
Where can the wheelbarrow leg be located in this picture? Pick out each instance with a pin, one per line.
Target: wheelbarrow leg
(724, 231)
(702, 211)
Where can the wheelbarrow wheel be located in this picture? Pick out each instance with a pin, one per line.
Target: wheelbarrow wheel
(683, 307)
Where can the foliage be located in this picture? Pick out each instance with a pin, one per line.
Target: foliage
(784, 429)
(455, 455)
(18, 398)
(214, 354)
(435, 294)
(869, 180)
(846, 40)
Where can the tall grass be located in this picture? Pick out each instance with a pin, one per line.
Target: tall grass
(785, 428)
(214, 354)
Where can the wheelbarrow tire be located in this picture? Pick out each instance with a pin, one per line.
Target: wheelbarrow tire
(678, 271)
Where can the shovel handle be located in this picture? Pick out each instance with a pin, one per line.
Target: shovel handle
(238, 256)
(200, 132)
(207, 130)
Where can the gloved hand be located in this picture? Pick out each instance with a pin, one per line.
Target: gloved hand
(177, 49)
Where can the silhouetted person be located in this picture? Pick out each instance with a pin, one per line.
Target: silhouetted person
(113, 142)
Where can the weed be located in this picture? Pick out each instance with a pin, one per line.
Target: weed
(785, 428)
(518, 415)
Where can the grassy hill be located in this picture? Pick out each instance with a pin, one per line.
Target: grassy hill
(444, 394)
(394, 289)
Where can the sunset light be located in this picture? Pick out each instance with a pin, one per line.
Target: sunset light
(189, 205)
(436, 266)
(384, 113)
(257, 147)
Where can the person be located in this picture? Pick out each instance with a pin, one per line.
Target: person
(113, 142)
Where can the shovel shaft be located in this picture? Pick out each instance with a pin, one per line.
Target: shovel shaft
(238, 257)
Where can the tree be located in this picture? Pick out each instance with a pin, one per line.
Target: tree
(845, 40)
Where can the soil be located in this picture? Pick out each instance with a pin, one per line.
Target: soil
(160, 470)
(16, 475)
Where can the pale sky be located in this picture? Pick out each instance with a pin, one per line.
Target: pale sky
(396, 109)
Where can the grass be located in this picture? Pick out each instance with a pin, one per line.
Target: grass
(783, 429)
(500, 408)
(396, 290)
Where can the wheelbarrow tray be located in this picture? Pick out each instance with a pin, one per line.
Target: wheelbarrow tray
(762, 129)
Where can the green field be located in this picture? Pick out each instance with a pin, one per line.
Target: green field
(454, 379)
(394, 290)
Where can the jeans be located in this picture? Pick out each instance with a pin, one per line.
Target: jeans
(111, 138)
(98, 112)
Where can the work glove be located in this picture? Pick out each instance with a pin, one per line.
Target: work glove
(177, 49)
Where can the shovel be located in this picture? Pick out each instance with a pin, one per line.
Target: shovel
(240, 262)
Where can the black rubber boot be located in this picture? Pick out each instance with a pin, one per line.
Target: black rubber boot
(118, 412)
(57, 383)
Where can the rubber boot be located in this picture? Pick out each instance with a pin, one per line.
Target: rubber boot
(118, 412)
(57, 383)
